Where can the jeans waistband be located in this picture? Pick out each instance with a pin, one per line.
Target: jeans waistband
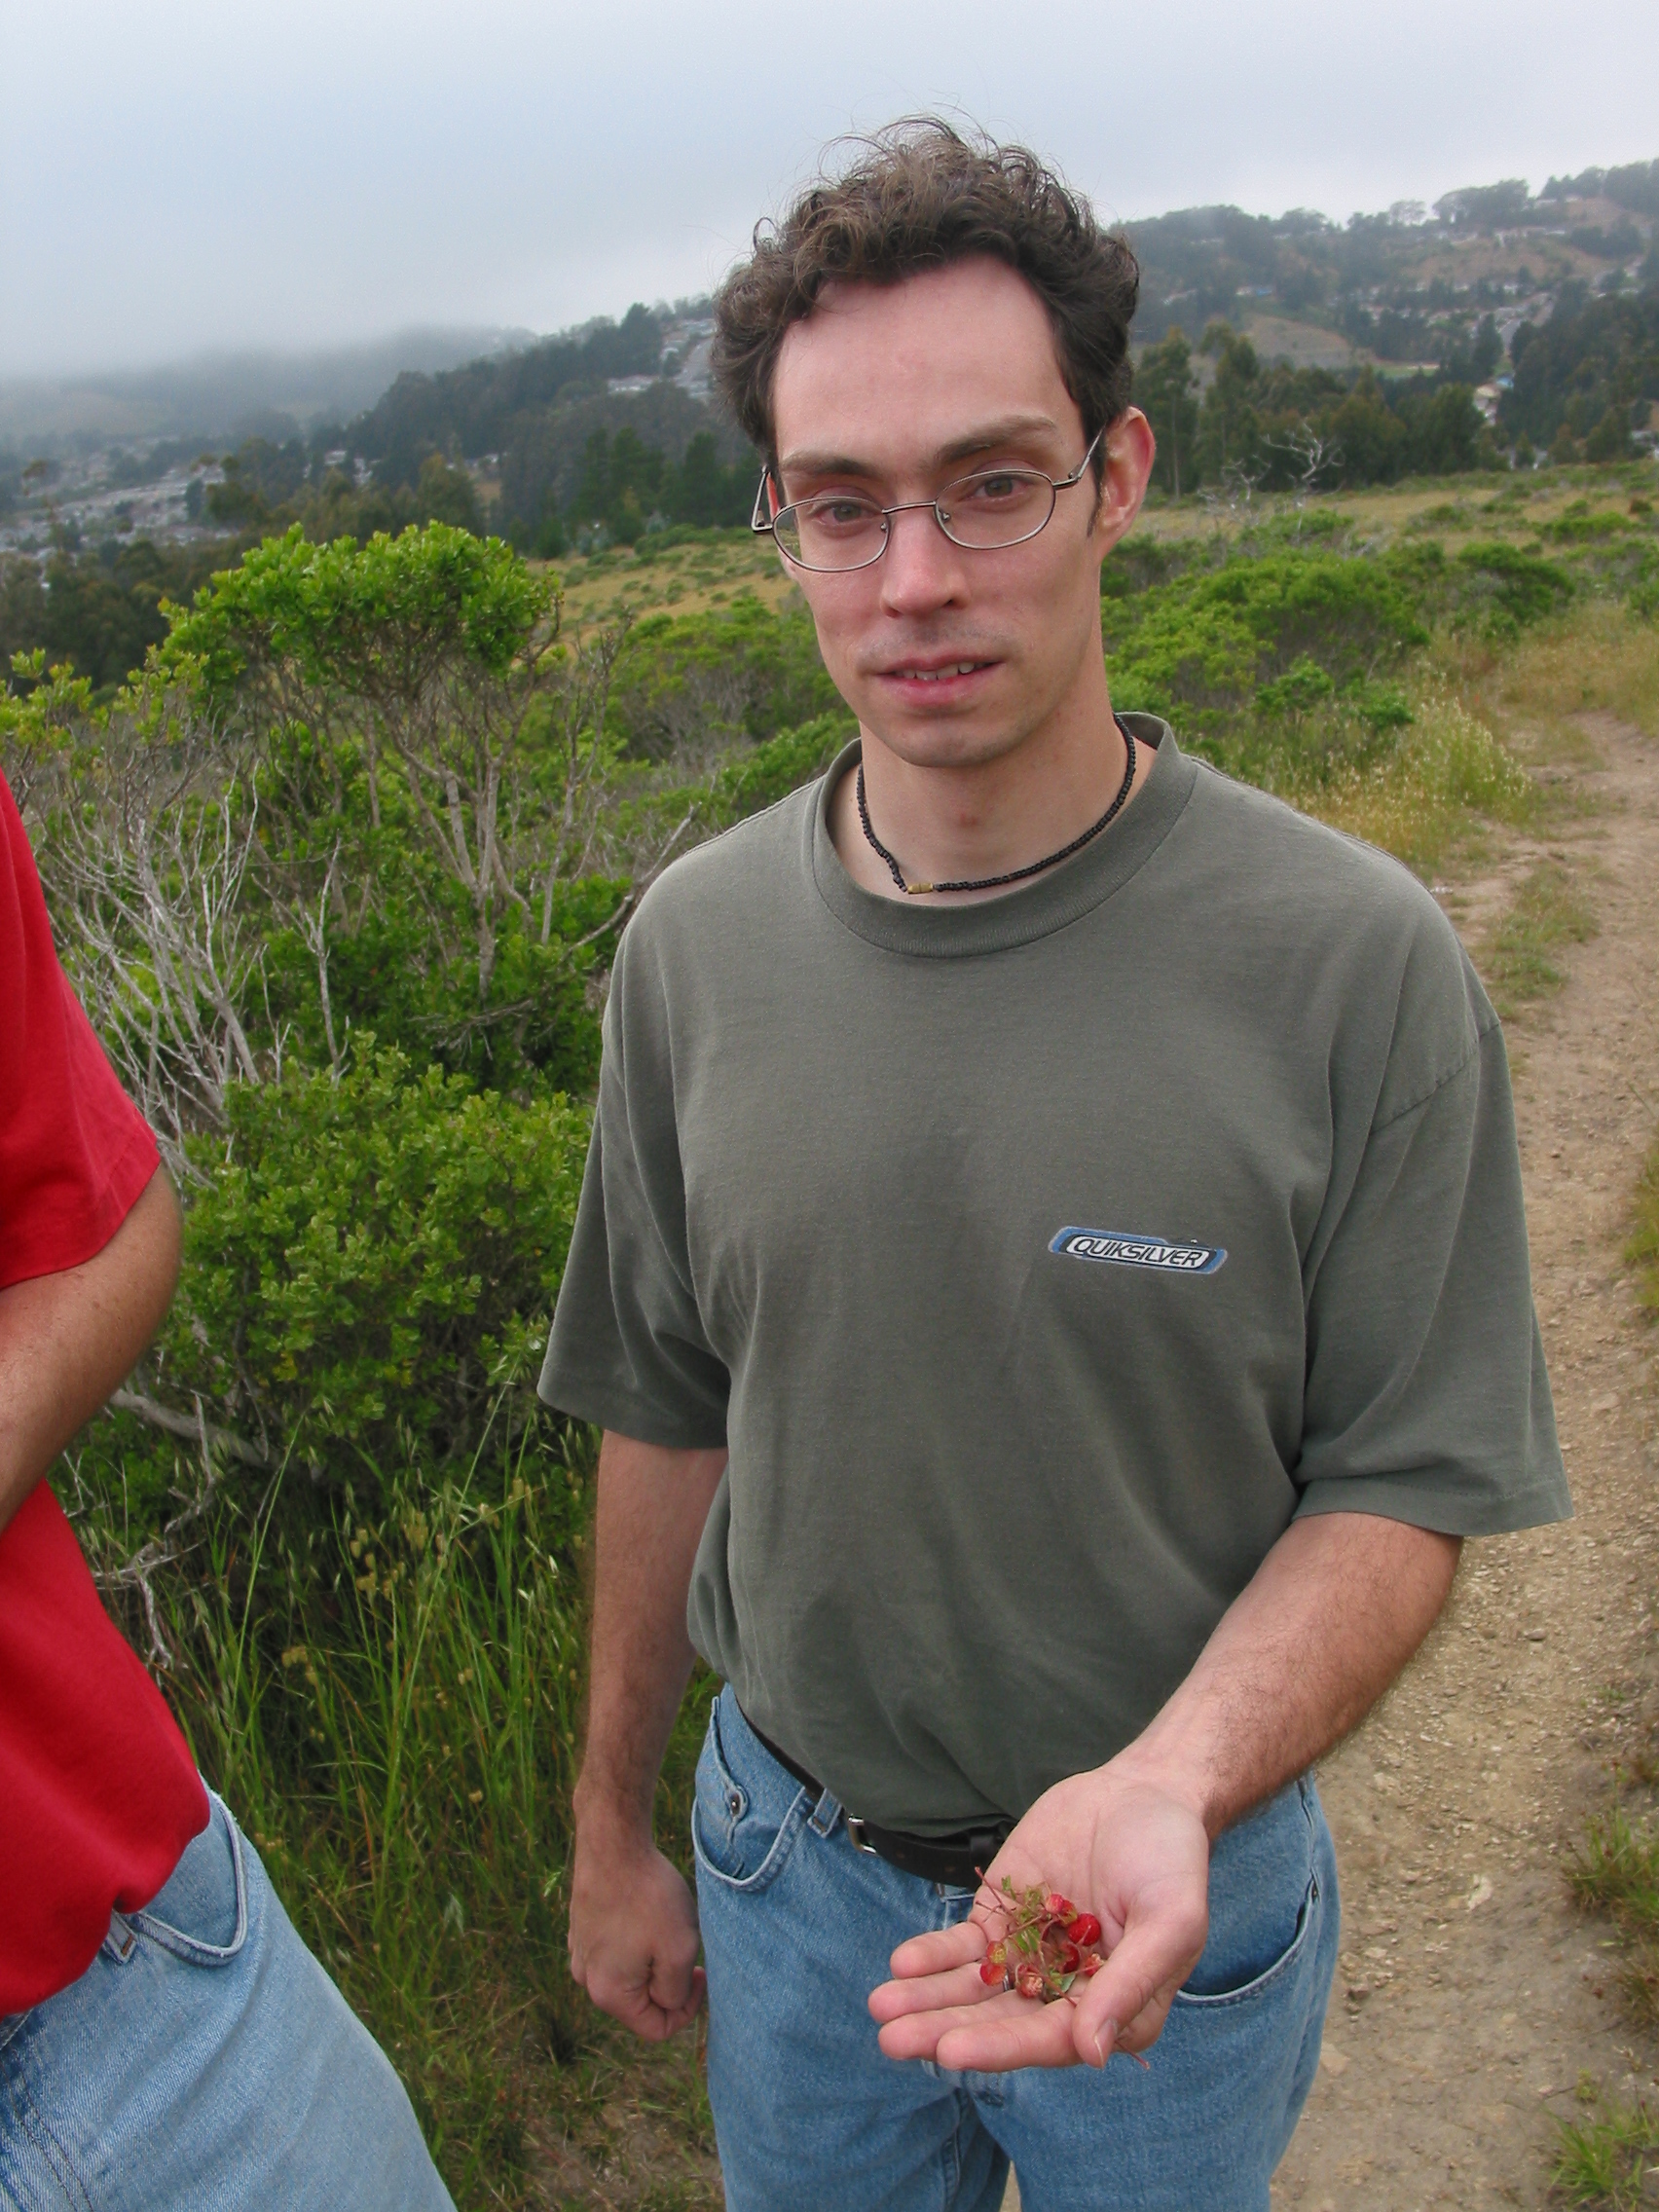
(958, 1860)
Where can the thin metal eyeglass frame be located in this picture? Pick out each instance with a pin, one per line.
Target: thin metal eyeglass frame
(763, 527)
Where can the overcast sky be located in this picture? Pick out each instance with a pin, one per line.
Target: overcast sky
(193, 174)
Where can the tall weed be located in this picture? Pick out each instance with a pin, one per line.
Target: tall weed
(1603, 658)
(1415, 796)
(391, 1704)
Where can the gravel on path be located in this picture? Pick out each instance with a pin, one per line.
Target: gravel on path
(1471, 1995)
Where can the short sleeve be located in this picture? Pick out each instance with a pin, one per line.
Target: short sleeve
(1426, 1396)
(75, 1153)
(627, 1347)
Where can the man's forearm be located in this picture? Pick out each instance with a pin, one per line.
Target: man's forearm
(1328, 1620)
(652, 1504)
(1323, 1627)
(68, 1340)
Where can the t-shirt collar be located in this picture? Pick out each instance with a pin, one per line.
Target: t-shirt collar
(1030, 911)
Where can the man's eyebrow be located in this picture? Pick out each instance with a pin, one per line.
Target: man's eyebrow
(995, 435)
(984, 439)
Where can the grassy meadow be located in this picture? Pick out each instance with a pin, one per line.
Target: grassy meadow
(340, 877)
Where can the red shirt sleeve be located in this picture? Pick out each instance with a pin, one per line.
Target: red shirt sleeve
(75, 1153)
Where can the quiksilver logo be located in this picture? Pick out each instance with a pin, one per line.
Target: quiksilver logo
(1119, 1250)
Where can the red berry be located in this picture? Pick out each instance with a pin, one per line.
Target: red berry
(1029, 1981)
(1061, 1908)
(991, 1971)
(1084, 1930)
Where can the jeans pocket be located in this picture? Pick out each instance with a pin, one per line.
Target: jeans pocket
(1279, 1969)
(206, 1892)
(1264, 1901)
(748, 1814)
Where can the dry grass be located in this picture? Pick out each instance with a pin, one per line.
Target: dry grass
(1600, 659)
(1449, 774)
(1453, 509)
(1549, 912)
(700, 576)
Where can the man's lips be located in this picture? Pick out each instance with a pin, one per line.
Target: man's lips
(933, 675)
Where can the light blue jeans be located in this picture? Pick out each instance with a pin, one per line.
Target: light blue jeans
(202, 2063)
(798, 1929)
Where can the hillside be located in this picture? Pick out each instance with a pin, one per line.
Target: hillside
(1495, 329)
(1407, 286)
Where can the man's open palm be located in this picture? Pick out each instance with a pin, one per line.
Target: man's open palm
(1135, 1856)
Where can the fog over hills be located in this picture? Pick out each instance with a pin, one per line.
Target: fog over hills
(230, 394)
(1404, 286)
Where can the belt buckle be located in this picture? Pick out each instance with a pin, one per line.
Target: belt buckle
(858, 1835)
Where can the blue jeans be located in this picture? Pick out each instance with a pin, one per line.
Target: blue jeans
(205, 2062)
(798, 1929)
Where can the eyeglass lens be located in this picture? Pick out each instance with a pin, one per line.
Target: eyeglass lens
(839, 530)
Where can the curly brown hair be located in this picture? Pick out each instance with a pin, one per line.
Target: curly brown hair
(922, 197)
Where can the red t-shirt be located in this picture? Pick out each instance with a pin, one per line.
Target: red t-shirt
(98, 1793)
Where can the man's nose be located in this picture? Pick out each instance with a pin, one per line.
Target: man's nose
(921, 569)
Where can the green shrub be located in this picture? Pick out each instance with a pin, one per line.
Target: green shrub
(371, 1255)
(746, 671)
(760, 779)
(1504, 588)
(1201, 647)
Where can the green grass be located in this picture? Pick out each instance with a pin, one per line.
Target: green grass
(1607, 2158)
(1615, 1870)
(393, 1708)
(1549, 912)
(1642, 1249)
(1443, 776)
(1602, 2161)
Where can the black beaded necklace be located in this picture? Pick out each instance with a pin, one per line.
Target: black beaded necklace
(1015, 874)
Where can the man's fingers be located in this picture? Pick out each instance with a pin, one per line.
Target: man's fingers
(655, 2003)
(990, 2037)
(931, 1993)
(940, 1951)
(678, 1997)
(1132, 1991)
(1039, 2035)
(660, 2021)
(674, 1977)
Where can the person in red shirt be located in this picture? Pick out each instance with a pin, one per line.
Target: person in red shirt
(165, 2038)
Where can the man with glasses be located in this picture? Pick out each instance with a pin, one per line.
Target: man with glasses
(1053, 1276)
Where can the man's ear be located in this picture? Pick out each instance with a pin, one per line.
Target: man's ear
(1129, 452)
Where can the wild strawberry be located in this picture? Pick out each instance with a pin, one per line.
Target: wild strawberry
(1084, 1930)
(992, 1973)
(1058, 1907)
(1029, 1981)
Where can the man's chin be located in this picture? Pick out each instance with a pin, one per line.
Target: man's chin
(943, 740)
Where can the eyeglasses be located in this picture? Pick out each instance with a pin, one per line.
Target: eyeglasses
(993, 508)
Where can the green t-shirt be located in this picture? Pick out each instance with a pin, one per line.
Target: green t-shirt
(1038, 1260)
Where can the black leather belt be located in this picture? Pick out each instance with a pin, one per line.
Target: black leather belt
(958, 1860)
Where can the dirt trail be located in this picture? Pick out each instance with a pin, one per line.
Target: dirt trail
(1471, 1995)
